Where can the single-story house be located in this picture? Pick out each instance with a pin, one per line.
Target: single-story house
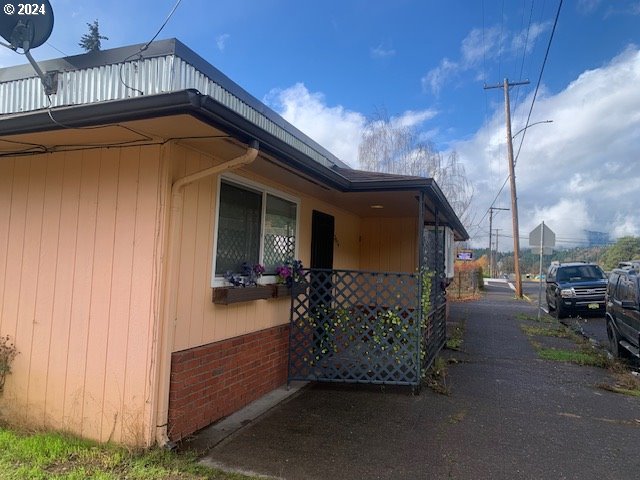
(127, 196)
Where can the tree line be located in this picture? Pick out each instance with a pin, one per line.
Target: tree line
(625, 248)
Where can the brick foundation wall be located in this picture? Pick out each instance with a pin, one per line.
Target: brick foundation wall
(213, 381)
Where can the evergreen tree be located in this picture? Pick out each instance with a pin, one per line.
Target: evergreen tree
(91, 42)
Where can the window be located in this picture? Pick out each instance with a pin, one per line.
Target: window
(627, 290)
(254, 225)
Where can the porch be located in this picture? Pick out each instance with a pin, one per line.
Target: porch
(372, 327)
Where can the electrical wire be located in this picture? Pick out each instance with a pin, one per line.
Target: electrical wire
(524, 52)
(524, 130)
(146, 46)
(56, 48)
(535, 93)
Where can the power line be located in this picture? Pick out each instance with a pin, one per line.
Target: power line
(535, 93)
(524, 50)
(532, 104)
(146, 45)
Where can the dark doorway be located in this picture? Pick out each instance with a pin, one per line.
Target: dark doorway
(322, 234)
(321, 285)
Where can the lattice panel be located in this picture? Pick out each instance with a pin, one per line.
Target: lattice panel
(278, 249)
(359, 327)
(434, 335)
(234, 248)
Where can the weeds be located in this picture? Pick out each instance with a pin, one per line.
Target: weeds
(7, 353)
(436, 378)
(56, 456)
(533, 318)
(532, 330)
(454, 342)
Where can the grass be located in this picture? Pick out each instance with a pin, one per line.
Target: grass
(585, 355)
(548, 331)
(581, 357)
(534, 318)
(56, 456)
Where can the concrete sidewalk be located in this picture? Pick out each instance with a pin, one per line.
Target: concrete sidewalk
(510, 415)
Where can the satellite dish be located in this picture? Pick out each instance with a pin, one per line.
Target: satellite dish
(26, 25)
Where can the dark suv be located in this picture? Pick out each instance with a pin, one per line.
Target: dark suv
(574, 287)
(623, 314)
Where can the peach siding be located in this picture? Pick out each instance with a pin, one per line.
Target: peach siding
(79, 262)
(389, 244)
(199, 320)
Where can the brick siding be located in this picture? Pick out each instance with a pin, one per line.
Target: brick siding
(213, 381)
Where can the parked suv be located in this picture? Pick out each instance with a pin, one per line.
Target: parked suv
(574, 287)
(623, 314)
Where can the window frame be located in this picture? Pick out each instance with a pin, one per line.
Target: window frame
(264, 190)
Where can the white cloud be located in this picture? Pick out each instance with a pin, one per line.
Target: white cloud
(588, 6)
(221, 41)
(412, 118)
(580, 172)
(335, 128)
(479, 47)
(382, 52)
(436, 78)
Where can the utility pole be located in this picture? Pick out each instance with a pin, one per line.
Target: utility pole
(497, 238)
(514, 197)
(491, 209)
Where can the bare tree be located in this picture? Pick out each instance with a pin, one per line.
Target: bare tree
(391, 147)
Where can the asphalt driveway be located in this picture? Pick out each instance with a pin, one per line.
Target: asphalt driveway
(510, 415)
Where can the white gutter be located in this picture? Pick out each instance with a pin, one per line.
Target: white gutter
(169, 298)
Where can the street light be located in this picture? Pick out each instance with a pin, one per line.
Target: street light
(514, 197)
(528, 126)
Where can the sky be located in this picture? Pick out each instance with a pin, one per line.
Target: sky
(330, 67)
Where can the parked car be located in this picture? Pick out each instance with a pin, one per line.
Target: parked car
(623, 312)
(574, 287)
(630, 264)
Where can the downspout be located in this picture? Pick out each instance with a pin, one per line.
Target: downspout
(170, 290)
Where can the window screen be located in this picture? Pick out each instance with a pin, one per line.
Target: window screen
(279, 232)
(239, 224)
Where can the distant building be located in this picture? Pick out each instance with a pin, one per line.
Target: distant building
(596, 239)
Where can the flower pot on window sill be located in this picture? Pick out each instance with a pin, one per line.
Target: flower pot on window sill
(227, 295)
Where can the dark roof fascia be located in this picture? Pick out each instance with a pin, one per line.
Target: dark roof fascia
(162, 48)
(189, 102)
(426, 185)
(209, 111)
(444, 207)
(94, 114)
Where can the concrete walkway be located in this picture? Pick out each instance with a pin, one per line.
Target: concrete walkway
(510, 415)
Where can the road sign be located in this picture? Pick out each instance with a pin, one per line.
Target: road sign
(465, 255)
(545, 237)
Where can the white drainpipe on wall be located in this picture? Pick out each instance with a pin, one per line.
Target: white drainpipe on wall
(170, 290)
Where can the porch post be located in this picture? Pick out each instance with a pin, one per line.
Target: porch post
(421, 313)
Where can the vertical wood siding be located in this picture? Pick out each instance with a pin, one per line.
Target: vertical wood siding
(199, 320)
(78, 272)
(389, 244)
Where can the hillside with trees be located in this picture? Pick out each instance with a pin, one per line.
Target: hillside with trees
(626, 248)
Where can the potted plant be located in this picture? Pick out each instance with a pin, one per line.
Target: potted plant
(244, 286)
(290, 275)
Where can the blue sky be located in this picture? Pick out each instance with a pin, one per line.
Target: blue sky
(328, 66)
